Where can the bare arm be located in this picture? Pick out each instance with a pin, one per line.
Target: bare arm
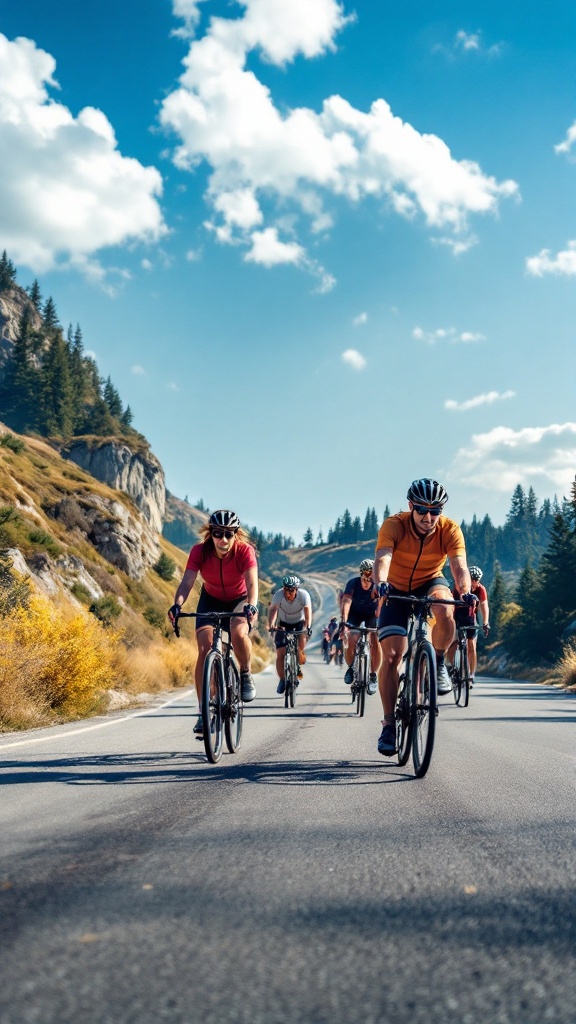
(185, 586)
(308, 615)
(345, 607)
(251, 580)
(382, 561)
(484, 612)
(272, 614)
(460, 573)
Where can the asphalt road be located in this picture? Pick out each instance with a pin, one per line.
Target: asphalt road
(305, 879)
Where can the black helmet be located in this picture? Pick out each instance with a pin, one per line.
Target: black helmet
(475, 572)
(291, 580)
(427, 492)
(366, 565)
(223, 517)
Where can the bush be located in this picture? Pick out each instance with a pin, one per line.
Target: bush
(44, 540)
(50, 662)
(15, 444)
(106, 609)
(80, 592)
(165, 567)
(14, 589)
(155, 617)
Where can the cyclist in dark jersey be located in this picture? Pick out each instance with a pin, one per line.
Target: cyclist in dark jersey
(359, 607)
(467, 617)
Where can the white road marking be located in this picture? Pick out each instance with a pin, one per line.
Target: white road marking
(99, 725)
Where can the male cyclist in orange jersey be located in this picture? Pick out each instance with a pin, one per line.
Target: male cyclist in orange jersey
(411, 551)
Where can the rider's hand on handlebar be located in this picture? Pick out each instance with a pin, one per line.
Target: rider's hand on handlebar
(174, 613)
(250, 611)
(470, 599)
(485, 629)
(309, 632)
(382, 589)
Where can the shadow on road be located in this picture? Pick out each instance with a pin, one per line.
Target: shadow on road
(138, 769)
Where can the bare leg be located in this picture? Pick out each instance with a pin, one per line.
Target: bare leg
(393, 649)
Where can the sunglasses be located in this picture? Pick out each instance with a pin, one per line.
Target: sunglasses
(290, 590)
(366, 575)
(423, 510)
(219, 534)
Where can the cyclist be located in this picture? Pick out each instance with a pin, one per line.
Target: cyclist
(325, 641)
(359, 607)
(227, 564)
(411, 551)
(467, 617)
(294, 606)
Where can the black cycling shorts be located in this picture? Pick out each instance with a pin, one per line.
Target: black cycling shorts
(208, 603)
(287, 627)
(359, 618)
(393, 618)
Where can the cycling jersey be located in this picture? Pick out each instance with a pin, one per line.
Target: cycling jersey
(415, 559)
(467, 616)
(223, 577)
(291, 611)
(362, 600)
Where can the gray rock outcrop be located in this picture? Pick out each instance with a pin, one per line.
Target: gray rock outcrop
(137, 474)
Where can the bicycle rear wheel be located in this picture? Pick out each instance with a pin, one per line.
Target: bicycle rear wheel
(361, 682)
(456, 674)
(234, 709)
(424, 696)
(404, 722)
(290, 677)
(212, 701)
(464, 678)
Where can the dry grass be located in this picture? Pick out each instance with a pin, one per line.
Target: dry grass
(155, 667)
(564, 671)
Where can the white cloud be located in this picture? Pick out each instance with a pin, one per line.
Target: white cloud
(354, 359)
(566, 145)
(298, 159)
(269, 250)
(362, 318)
(467, 42)
(138, 371)
(187, 11)
(67, 192)
(458, 246)
(564, 263)
(146, 265)
(543, 457)
(472, 403)
(449, 334)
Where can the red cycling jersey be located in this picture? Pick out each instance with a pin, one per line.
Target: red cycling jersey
(223, 577)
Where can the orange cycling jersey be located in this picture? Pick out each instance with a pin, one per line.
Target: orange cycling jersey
(415, 559)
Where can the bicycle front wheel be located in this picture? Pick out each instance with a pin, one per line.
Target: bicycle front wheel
(404, 722)
(234, 709)
(291, 678)
(464, 678)
(424, 695)
(212, 701)
(361, 682)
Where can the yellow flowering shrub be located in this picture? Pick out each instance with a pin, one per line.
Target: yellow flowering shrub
(54, 661)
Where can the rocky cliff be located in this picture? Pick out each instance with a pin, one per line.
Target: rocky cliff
(137, 474)
(13, 301)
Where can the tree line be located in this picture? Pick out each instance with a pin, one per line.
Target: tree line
(49, 385)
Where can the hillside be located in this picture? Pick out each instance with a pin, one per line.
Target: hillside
(339, 561)
(182, 522)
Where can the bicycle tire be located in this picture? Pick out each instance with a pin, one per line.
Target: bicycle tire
(465, 678)
(404, 723)
(457, 674)
(424, 697)
(290, 680)
(235, 709)
(361, 685)
(212, 700)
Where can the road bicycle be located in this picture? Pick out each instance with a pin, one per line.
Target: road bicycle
(291, 663)
(222, 707)
(416, 705)
(460, 670)
(360, 665)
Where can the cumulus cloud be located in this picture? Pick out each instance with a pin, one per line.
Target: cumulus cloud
(299, 160)
(472, 403)
(67, 192)
(187, 11)
(362, 318)
(449, 334)
(562, 264)
(354, 359)
(566, 145)
(543, 457)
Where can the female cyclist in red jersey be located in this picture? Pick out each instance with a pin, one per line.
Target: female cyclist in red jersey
(227, 564)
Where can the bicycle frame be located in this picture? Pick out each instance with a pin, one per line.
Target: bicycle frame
(291, 663)
(360, 664)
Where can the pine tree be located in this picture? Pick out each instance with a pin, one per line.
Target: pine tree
(7, 272)
(35, 294)
(112, 398)
(497, 598)
(49, 315)
(21, 381)
(56, 397)
(308, 538)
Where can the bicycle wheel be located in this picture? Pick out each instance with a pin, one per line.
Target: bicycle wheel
(404, 722)
(465, 678)
(457, 674)
(234, 709)
(212, 701)
(361, 683)
(290, 679)
(424, 695)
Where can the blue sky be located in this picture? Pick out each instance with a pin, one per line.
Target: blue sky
(319, 254)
